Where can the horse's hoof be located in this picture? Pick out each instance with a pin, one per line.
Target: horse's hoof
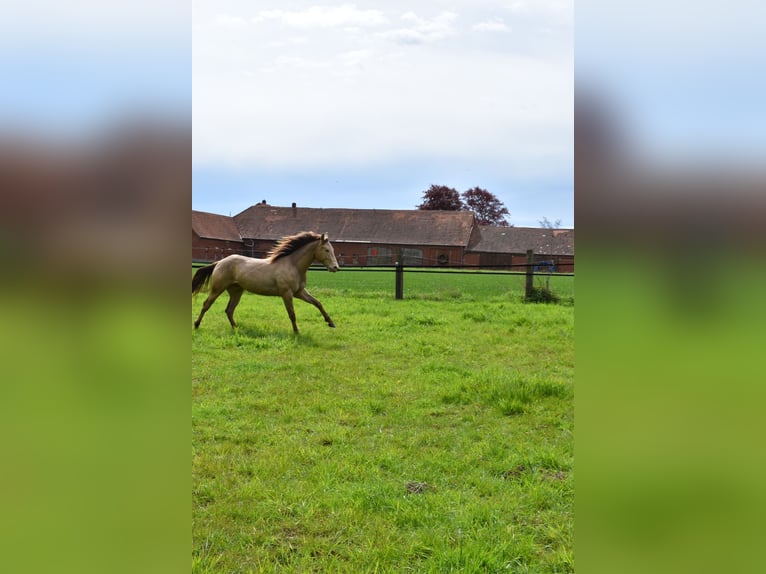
(331, 324)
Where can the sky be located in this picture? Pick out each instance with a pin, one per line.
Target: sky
(367, 104)
(71, 68)
(685, 77)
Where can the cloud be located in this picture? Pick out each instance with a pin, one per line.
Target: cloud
(300, 63)
(228, 21)
(293, 41)
(339, 85)
(324, 17)
(354, 57)
(496, 25)
(504, 110)
(552, 12)
(341, 65)
(422, 30)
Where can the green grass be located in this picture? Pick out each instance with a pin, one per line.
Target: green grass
(432, 434)
(442, 286)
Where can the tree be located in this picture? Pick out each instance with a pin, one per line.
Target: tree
(545, 224)
(487, 208)
(441, 197)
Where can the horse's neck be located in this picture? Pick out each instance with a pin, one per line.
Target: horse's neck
(304, 256)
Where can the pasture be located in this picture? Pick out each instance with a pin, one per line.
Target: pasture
(432, 434)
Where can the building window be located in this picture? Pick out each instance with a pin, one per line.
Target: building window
(379, 256)
(412, 256)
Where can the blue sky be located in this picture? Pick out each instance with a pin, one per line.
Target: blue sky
(366, 104)
(373, 187)
(685, 77)
(71, 68)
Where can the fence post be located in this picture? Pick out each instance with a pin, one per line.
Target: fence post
(530, 275)
(399, 280)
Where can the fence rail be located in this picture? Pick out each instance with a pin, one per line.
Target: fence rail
(530, 270)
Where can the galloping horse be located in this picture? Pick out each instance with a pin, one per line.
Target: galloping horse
(282, 273)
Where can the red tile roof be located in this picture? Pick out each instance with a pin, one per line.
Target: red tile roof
(214, 226)
(492, 239)
(403, 227)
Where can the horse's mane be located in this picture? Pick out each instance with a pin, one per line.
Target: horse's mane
(292, 243)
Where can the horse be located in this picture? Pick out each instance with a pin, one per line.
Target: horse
(282, 273)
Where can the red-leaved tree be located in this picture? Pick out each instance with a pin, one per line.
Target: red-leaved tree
(441, 197)
(487, 208)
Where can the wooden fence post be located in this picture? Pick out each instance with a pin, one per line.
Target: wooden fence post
(399, 280)
(530, 275)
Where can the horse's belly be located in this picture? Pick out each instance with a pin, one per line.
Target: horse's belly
(265, 279)
(261, 285)
(270, 289)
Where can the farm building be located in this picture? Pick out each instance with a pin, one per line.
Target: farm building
(214, 236)
(381, 237)
(500, 246)
(366, 236)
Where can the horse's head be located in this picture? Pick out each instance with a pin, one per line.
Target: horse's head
(325, 254)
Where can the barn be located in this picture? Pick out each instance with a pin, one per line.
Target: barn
(214, 236)
(500, 246)
(365, 237)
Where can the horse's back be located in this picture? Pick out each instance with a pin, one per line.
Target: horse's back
(255, 275)
(234, 260)
(233, 266)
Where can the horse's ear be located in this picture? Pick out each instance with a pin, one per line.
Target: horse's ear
(324, 237)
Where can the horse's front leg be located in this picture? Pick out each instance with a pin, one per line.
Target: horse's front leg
(306, 296)
(287, 297)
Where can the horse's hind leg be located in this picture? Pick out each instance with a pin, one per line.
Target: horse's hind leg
(235, 294)
(214, 293)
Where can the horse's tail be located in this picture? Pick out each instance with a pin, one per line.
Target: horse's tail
(202, 278)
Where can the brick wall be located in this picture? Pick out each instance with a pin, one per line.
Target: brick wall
(204, 249)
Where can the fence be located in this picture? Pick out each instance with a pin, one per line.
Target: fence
(382, 256)
(531, 272)
(531, 269)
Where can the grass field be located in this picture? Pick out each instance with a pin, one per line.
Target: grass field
(441, 285)
(433, 434)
